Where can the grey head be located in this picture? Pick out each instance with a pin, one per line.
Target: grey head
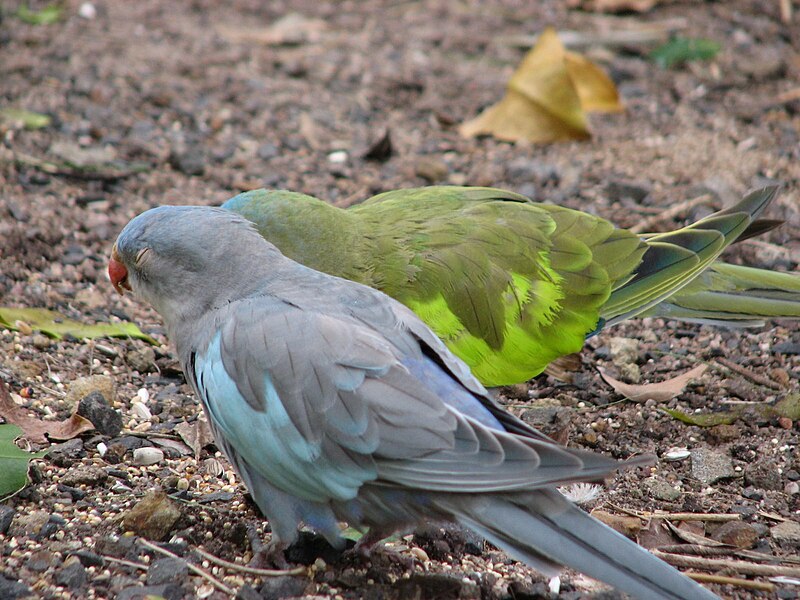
(185, 260)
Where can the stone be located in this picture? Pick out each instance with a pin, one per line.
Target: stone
(6, 516)
(710, 466)
(83, 386)
(72, 575)
(437, 585)
(66, 453)
(167, 570)
(89, 559)
(118, 547)
(737, 533)
(96, 408)
(153, 517)
(661, 490)
(29, 525)
(431, 169)
(277, 588)
(618, 189)
(762, 476)
(41, 560)
(189, 162)
(786, 534)
(84, 475)
(792, 348)
(11, 589)
(142, 359)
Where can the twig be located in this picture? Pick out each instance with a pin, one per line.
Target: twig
(737, 581)
(127, 563)
(718, 564)
(251, 570)
(707, 517)
(786, 11)
(650, 33)
(701, 550)
(194, 568)
(670, 213)
(747, 374)
(787, 96)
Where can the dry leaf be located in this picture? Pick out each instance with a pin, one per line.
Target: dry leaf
(614, 6)
(563, 368)
(693, 538)
(37, 430)
(595, 89)
(196, 434)
(547, 97)
(625, 524)
(660, 392)
(292, 29)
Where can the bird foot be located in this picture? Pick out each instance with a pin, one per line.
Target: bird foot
(369, 547)
(266, 556)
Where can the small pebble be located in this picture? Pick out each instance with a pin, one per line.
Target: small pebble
(143, 457)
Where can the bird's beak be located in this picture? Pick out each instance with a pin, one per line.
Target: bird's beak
(117, 272)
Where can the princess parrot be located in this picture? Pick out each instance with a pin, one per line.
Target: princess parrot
(510, 284)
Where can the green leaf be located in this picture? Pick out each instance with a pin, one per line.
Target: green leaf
(703, 419)
(757, 412)
(28, 119)
(13, 461)
(57, 325)
(47, 16)
(351, 533)
(681, 50)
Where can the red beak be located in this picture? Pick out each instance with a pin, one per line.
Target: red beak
(117, 273)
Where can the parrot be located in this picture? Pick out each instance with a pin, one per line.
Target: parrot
(336, 403)
(509, 284)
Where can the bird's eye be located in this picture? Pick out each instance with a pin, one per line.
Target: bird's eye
(141, 255)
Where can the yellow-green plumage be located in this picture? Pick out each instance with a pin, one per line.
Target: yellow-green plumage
(507, 283)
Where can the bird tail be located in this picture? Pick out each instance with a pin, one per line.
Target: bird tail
(673, 260)
(545, 530)
(734, 296)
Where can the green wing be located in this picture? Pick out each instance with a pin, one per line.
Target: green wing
(508, 284)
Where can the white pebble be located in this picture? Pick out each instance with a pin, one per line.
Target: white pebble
(143, 395)
(87, 11)
(147, 456)
(338, 157)
(554, 585)
(676, 454)
(141, 411)
(102, 449)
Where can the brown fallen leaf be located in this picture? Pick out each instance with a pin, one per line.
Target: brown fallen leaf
(660, 392)
(547, 97)
(564, 368)
(625, 524)
(196, 434)
(37, 430)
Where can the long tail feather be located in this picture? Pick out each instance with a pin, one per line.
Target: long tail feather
(734, 296)
(557, 533)
(673, 260)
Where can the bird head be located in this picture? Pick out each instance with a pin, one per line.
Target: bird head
(186, 259)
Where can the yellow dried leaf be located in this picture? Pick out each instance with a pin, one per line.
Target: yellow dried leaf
(660, 392)
(595, 89)
(547, 96)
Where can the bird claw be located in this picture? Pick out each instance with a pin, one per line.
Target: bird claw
(269, 555)
(369, 546)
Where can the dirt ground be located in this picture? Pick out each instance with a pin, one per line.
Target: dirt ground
(193, 102)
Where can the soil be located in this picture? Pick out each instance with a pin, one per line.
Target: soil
(193, 102)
